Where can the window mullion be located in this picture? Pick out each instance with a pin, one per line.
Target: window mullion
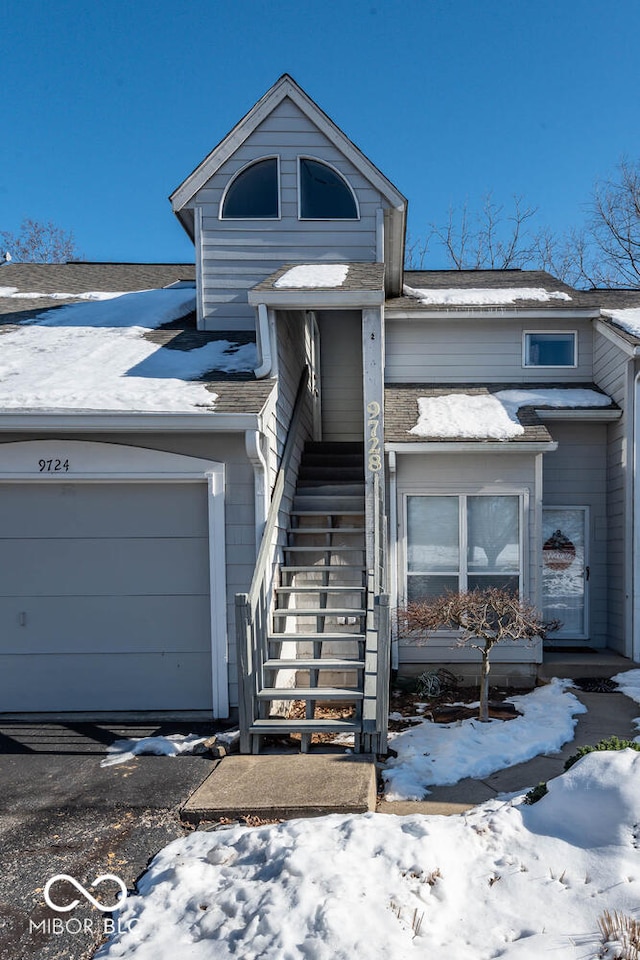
(462, 561)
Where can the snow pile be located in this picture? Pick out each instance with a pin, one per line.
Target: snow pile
(94, 356)
(629, 684)
(121, 751)
(628, 319)
(505, 880)
(436, 754)
(462, 416)
(314, 275)
(174, 744)
(493, 416)
(482, 296)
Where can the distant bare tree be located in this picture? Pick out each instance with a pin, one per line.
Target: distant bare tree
(483, 617)
(615, 225)
(40, 242)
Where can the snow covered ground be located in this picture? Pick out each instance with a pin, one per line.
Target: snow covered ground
(172, 745)
(505, 880)
(434, 754)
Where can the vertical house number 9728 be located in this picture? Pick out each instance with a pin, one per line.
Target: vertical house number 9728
(373, 440)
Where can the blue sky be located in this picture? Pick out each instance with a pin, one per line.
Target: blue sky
(107, 106)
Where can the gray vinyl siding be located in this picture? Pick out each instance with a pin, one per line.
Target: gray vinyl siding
(611, 373)
(475, 473)
(237, 254)
(341, 374)
(487, 351)
(576, 475)
(239, 507)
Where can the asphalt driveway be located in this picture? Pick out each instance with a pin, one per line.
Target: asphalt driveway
(62, 813)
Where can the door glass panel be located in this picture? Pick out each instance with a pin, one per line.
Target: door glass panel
(432, 534)
(493, 535)
(563, 570)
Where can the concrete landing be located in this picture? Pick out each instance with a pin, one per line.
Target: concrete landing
(284, 786)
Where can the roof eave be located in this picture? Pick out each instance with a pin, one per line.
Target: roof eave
(315, 298)
(109, 422)
(472, 446)
(451, 313)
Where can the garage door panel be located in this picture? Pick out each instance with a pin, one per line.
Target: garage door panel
(102, 510)
(103, 683)
(45, 625)
(60, 567)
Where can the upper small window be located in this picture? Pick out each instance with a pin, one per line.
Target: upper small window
(253, 194)
(324, 193)
(550, 350)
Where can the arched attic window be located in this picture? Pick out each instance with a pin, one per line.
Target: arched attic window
(324, 194)
(253, 193)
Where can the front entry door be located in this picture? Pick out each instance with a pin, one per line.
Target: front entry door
(565, 571)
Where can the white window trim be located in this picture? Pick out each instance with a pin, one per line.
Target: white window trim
(523, 507)
(325, 163)
(252, 163)
(550, 366)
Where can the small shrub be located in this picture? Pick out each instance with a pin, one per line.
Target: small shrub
(536, 793)
(608, 743)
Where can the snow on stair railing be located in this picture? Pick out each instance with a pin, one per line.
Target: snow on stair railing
(253, 609)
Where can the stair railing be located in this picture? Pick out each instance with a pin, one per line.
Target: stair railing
(253, 609)
(378, 636)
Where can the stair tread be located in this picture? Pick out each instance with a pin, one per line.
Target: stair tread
(324, 568)
(318, 726)
(314, 637)
(310, 693)
(322, 588)
(318, 612)
(301, 512)
(321, 548)
(313, 663)
(326, 529)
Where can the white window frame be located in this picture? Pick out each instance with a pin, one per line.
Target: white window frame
(462, 496)
(252, 163)
(550, 366)
(339, 173)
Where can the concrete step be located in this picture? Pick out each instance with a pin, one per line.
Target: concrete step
(313, 663)
(311, 693)
(281, 786)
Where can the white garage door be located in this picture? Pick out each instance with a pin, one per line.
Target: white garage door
(104, 597)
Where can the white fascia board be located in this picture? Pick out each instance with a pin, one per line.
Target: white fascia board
(43, 422)
(314, 298)
(617, 336)
(284, 87)
(472, 446)
(568, 413)
(449, 314)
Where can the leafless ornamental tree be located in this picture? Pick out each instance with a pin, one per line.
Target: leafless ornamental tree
(484, 618)
(39, 242)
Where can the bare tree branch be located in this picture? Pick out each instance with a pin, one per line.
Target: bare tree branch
(40, 242)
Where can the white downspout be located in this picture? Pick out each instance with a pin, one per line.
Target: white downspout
(393, 556)
(632, 438)
(264, 343)
(253, 447)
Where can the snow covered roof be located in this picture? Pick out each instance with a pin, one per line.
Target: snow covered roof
(486, 290)
(322, 284)
(107, 351)
(418, 412)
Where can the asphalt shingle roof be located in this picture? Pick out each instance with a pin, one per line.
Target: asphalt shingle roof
(401, 409)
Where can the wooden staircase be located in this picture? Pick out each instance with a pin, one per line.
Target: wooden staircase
(316, 644)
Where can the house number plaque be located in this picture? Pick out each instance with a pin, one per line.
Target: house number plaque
(53, 466)
(374, 457)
